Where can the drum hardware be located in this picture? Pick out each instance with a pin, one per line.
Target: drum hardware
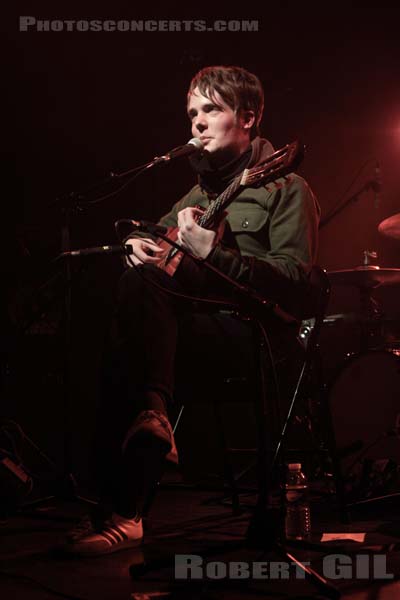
(368, 255)
(361, 407)
(365, 276)
(362, 391)
(390, 227)
(363, 399)
(371, 479)
(307, 325)
(372, 329)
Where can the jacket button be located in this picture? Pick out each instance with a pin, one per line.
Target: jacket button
(245, 223)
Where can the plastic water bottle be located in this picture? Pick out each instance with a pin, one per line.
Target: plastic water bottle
(297, 508)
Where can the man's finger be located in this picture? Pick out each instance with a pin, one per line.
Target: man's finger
(152, 259)
(152, 246)
(197, 211)
(143, 257)
(155, 248)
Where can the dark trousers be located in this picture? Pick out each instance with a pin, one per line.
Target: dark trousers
(160, 342)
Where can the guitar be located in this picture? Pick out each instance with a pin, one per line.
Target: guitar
(278, 164)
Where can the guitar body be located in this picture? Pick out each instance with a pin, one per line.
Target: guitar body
(166, 263)
(171, 258)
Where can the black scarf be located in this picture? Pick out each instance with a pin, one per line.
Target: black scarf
(215, 181)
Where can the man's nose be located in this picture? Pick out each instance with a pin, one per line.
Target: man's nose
(200, 123)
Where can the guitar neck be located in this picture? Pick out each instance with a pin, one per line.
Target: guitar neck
(278, 164)
(220, 203)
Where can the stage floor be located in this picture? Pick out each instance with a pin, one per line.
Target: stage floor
(183, 521)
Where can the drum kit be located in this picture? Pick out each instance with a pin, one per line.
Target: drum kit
(363, 387)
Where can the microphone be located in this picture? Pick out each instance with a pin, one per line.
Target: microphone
(150, 227)
(193, 146)
(96, 250)
(376, 185)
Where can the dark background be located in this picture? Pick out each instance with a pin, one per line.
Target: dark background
(81, 104)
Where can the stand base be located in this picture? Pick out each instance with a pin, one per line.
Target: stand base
(66, 492)
(264, 529)
(264, 534)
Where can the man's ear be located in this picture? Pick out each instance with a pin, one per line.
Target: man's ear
(247, 118)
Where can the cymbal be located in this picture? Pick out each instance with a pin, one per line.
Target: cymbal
(370, 276)
(391, 227)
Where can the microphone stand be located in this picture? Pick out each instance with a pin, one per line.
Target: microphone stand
(264, 528)
(66, 488)
(71, 203)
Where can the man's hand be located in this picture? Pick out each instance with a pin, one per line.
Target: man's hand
(196, 239)
(142, 250)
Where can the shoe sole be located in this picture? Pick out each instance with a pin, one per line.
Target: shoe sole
(87, 552)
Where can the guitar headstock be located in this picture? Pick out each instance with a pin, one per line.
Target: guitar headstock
(279, 164)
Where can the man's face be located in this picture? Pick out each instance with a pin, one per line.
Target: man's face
(224, 134)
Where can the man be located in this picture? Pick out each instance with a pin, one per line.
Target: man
(270, 245)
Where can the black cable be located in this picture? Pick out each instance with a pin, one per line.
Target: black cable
(114, 193)
(139, 171)
(166, 290)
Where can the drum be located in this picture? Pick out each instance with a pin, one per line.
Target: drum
(391, 333)
(364, 399)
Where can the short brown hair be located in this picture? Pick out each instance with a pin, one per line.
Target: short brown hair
(240, 90)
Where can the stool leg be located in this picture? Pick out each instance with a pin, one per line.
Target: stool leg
(227, 466)
(332, 449)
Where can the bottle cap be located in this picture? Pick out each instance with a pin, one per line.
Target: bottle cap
(294, 466)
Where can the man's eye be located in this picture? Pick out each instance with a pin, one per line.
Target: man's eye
(215, 109)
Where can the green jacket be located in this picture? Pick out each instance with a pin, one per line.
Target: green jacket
(276, 230)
